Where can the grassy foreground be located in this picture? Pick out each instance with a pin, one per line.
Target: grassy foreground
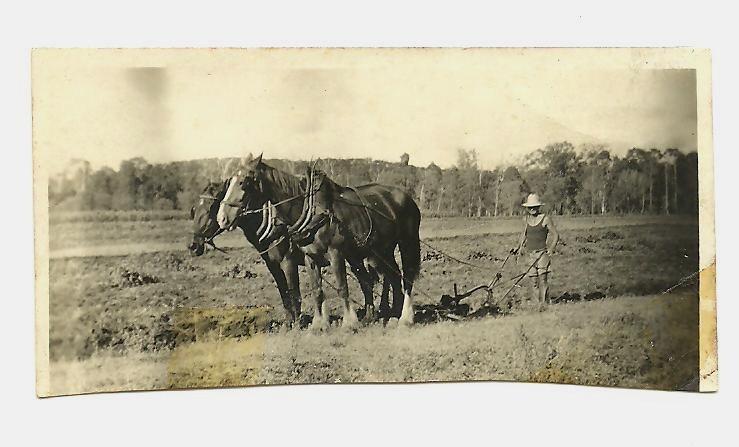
(613, 342)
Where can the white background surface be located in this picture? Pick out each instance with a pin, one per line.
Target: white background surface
(447, 414)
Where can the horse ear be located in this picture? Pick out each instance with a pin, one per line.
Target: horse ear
(246, 160)
(219, 170)
(228, 168)
(258, 160)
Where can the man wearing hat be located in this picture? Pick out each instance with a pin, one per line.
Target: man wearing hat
(535, 238)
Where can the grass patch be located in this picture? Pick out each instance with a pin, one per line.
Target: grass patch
(638, 342)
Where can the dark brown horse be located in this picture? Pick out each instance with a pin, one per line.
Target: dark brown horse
(263, 232)
(361, 226)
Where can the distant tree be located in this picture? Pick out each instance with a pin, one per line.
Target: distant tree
(126, 185)
(676, 158)
(597, 180)
(450, 192)
(640, 161)
(431, 187)
(653, 168)
(587, 180)
(554, 173)
(99, 193)
(359, 172)
(512, 191)
(470, 180)
(668, 161)
(402, 176)
(689, 199)
(404, 159)
(488, 187)
(375, 170)
(499, 178)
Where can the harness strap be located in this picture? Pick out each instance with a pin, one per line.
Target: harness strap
(306, 215)
(270, 223)
(369, 217)
(311, 204)
(307, 235)
(272, 245)
(365, 205)
(289, 199)
(260, 230)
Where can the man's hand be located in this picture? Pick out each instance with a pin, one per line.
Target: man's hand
(514, 251)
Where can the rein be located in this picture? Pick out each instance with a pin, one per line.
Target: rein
(210, 242)
(244, 210)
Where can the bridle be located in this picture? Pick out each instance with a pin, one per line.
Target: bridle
(209, 240)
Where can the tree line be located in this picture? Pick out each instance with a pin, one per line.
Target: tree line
(588, 179)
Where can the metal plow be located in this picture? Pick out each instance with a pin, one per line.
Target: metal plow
(453, 301)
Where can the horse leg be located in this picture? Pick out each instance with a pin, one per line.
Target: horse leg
(366, 282)
(283, 288)
(392, 275)
(410, 255)
(320, 314)
(338, 266)
(406, 316)
(290, 269)
(385, 297)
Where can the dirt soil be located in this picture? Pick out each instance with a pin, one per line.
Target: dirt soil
(216, 319)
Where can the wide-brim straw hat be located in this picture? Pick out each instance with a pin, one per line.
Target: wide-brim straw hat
(532, 200)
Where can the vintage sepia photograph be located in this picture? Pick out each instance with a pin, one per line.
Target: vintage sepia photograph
(233, 217)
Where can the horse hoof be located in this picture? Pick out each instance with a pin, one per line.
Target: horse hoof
(319, 326)
(405, 321)
(350, 321)
(369, 314)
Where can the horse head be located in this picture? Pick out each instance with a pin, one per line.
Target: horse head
(243, 192)
(319, 185)
(203, 215)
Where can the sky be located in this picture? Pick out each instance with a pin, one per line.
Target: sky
(109, 105)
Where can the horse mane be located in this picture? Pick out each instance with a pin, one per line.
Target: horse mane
(283, 181)
(332, 184)
(215, 189)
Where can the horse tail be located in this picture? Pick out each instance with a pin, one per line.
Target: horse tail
(410, 245)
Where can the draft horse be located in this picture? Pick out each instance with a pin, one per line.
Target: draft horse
(263, 232)
(361, 226)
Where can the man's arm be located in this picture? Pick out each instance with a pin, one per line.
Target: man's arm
(553, 233)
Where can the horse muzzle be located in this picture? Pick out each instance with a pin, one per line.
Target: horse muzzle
(196, 247)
